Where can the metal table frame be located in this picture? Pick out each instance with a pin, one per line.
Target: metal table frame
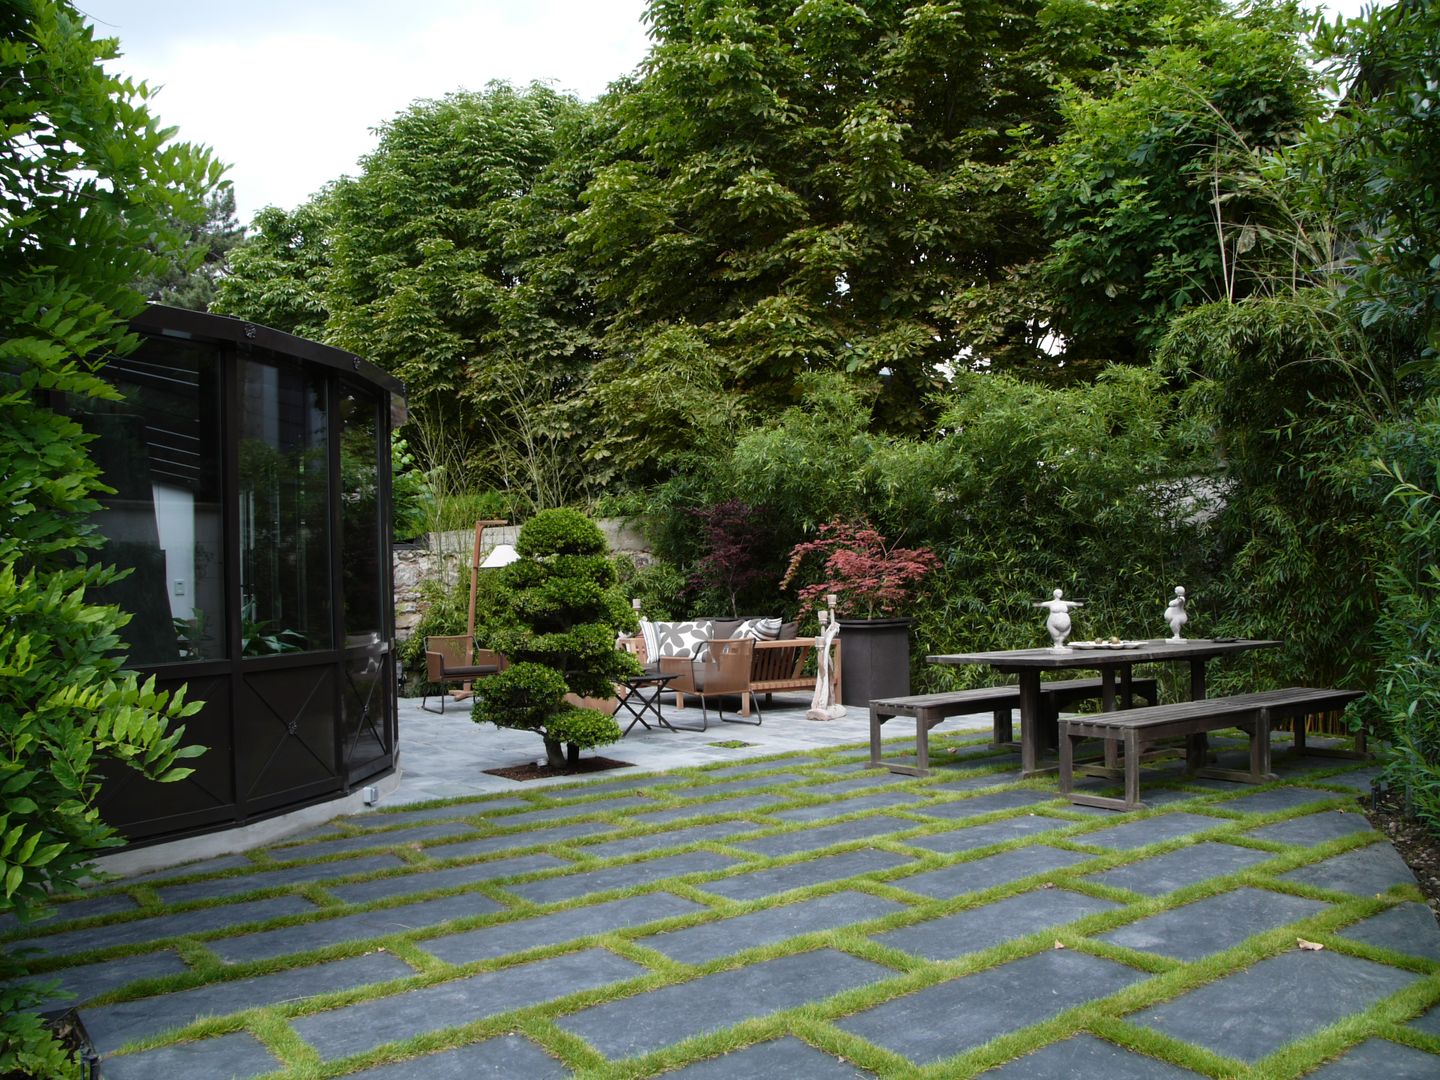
(646, 690)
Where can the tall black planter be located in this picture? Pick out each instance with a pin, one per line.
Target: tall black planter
(875, 660)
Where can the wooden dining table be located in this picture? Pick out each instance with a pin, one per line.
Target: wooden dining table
(1037, 731)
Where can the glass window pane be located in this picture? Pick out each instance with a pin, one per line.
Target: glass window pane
(359, 515)
(284, 510)
(160, 450)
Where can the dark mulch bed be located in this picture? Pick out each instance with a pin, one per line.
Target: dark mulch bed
(1417, 845)
(531, 771)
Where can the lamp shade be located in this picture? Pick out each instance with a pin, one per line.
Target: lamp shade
(500, 555)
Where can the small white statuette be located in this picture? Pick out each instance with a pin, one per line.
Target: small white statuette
(1059, 621)
(1175, 615)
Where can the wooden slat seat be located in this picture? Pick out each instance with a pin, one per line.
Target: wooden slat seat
(931, 709)
(1135, 729)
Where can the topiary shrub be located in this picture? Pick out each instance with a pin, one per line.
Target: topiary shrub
(557, 613)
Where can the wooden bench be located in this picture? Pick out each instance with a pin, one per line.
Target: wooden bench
(1134, 729)
(931, 709)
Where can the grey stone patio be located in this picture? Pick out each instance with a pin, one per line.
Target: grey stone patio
(723, 923)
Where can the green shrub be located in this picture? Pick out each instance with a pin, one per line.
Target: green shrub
(557, 615)
(93, 196)
(660, 587)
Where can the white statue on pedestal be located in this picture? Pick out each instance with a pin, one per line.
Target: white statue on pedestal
(1059, 621)
(1175, 614)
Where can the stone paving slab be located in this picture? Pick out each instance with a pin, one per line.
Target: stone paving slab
(302, 874)
(1366, 871)
(71, 910)
(1281, 798)
(728, 787)
(369, 841)
(368, 1024)
(1084, 1057)
(779, 879)
(979, 783)
(480, 809)
(985, 804)
(1136, 834)
(188, 869)
(885, 800)
(1356, 779)
(505, 1057)
(364, 892)
(992, 832)
(671, 1014)
(1375, 1058)
(740, 770)
(1253, 1013)
(785, 1058)
(628, 783)
(503, 939)
(569, 886)
(981, 928)
(1161, 874)
(739, 804)
(624, 804)
(267, 944)
(864, 782)
(237, 1056)
(489, 845)
(981, 874)
(175, 924)
(1428, 1022)
(724, 937)
(719, 831)
(1313, 829)
(952, 1017)
(790, 843)
(111, 1026)
(76, 985)
(1196, 930)
(1405, 928)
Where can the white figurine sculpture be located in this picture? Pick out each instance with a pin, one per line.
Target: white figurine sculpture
(1059, 621)
(1175, 615)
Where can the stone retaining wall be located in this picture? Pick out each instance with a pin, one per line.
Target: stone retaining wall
(442, 554)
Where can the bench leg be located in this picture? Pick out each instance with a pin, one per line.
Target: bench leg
(1260, 747)
(923, 724)
(875, 721)
(1004, 731)
(1132, 770)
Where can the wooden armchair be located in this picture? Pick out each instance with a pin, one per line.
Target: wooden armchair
(454, 659)
(725, 669)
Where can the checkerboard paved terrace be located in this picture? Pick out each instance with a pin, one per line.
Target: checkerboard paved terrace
(792, 914)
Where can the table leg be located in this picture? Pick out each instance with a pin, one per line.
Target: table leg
(1200, 744)
(1032, 739)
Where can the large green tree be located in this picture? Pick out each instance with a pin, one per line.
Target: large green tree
(446, 262)
(830, 185)
(278, 276)
(1149, 197)
(90, 188)
(192, 284)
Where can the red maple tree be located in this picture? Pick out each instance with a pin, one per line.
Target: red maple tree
(868, 577)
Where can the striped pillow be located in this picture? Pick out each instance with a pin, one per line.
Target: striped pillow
(759, 629)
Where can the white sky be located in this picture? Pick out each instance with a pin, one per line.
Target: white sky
(287, 92)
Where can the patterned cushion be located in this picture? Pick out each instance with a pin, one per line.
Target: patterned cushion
(682, 638)
(759, 629)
